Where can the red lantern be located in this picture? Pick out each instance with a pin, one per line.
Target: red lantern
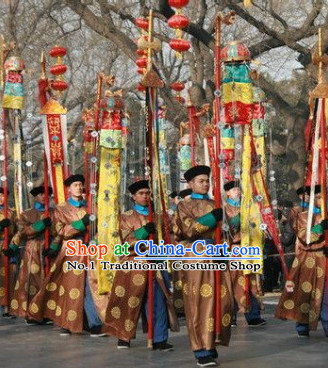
(58, 69)
(142, 62)
(178, 3)
(57, 51)
(178, 21)
(179, 45)
(141, 52)
(141, 88)
(180, 99)
(141, 71)
(59, 85)
(177, 86)
(142, 23)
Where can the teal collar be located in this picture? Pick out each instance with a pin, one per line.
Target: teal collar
(233, 203)
(75, 203)
(304, 204)
(199, 196)
(2, 207)
(143, 210)
(316, 210)
(39, 206)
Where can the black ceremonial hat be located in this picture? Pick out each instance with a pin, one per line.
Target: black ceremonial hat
(173, 194)
(317, 189)
(184, 193)
(302, 190)
(137, 185)
(230, 185)
(73, 178)
(197, 170)
(37, 190)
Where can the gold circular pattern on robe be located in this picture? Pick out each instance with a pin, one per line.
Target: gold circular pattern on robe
(34, 308)
(185, 289)
(2, 291)
(305, 308)
(53, 267)
(223, 291)
(51, 304)
(58, 311)
(295, 263)
(289, 304)
(120, 291)
(32, 290)
(116, 312)
(317, 294)
(133, 302)
(312, 316)
(74, 293)
(178, 303)
(65, 270)
(319, 272)
(35, 268)
(24, 306)
(138, 279)
(17, 285)
(178, 285)
(243, 301)
(226, 319)
(309, 262)
(128, 325)
(61, 290)
(71, 315)
(2, 271)
(241, 281)
(52, 286)
(306, 286)
(14, 304)
(210, 324)
(77, 272)
(206, 290)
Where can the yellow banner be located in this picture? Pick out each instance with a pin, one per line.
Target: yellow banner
(237, 92)
(108, 211)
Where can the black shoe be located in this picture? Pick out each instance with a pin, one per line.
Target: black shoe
(163, 346)
(31, 322)
(96, 332)
(303, 334)
(64, 332)
(8, 315)
(233, 324)
(257, 322)
(47, 321)
(122, 344)
(206, 362)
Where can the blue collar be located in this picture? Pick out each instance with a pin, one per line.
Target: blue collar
(2, 207)
(233, 203)
(199, 196)
(75, 203)
(316, 210)
(143, 210)
(304, 204)
(39, 206)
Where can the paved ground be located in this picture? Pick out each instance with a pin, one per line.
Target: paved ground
(274, 345)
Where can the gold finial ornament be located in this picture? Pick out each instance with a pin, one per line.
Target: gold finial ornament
(320, 59)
